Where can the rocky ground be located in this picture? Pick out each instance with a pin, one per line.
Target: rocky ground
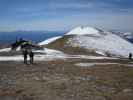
(70, 79)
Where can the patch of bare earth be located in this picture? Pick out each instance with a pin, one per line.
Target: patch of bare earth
(63, 80)
(62, 45)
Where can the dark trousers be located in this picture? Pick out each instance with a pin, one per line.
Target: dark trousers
(130, 58)
(31, 60)
(25, 60)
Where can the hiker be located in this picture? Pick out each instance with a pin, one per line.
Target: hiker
(130, 56)
(31, 54)
(25, 54)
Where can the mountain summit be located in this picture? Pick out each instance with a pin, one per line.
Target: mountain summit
(98, 41)
(84, 31)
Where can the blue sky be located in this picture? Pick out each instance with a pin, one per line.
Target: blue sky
(60, 15)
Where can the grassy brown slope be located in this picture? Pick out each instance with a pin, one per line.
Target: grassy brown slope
(62, 45)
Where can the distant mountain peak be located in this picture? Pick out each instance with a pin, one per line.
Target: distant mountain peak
(85, 31)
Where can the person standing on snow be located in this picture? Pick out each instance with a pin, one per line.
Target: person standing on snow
(25, 55)
(31, 54)
(130, 56)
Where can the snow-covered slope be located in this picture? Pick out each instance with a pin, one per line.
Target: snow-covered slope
(128, 35)
(85, 31)
(49, 40)
(102, 41)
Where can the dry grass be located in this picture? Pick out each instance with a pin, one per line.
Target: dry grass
(62, 80)
(61, 44)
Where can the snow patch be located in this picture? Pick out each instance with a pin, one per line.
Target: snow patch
(11, 58)
(9, 49)
(101, 53)
(49, 51)
(47, 55)
(5, 50)
(128, 65)
(18, 48)
(90, 57)
(88, 65)
(50, 55)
